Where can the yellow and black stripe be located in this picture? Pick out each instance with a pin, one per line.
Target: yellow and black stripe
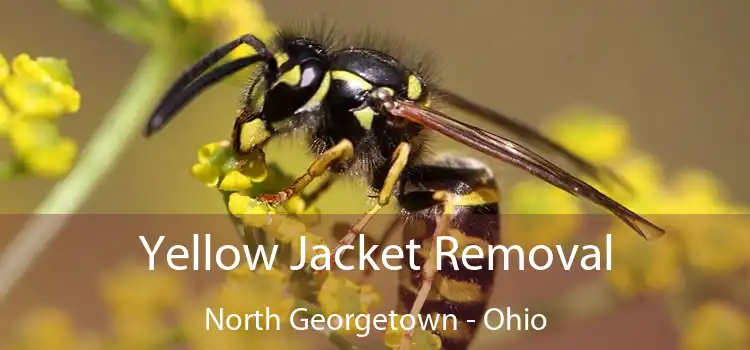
(476, 220)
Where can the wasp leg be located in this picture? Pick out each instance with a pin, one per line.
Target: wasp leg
(400, 158)
(429, 269)
(342, 151)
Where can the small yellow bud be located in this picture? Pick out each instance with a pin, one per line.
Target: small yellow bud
(59, 330)
(24, 66)
(393, 336)
(42, 87)
(5, 118)
(596, 136)
(198, 10)
(206, 152)
(235, 181)
(238, 204)
(54, 161)
(40, 99)
(27, 135)
(206, 173)
(717, 325)
(69, 98)
(537, 198)
(257, 215)
(247, 17)
(295, 205)
(4, 69)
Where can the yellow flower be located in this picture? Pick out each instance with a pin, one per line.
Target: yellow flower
(48, 329)
(216, 161)
(640, 266)
(295, 205)
(6, 117)
(244, 17)
(208, 151)
(235, 181)
(51, 329)
(266, 287)
(133, 289)
(37, 92)
(54, 161)
(245, 292)
(211, 159)
(253, 213)
(139, 329)
(41, 88)
(27, 135)
(233, 17)
(643, 173)
(537, 197)
(717, 326)
(4, 69)
(714, 240)
(697, 192)
(340, 296)
(203, 11)
(596, 136)
(238, 204)
(41, 148)
(139, 301)
(206, 173)
(544, 214)
(420, 339)
(309, 216)
(716, 243)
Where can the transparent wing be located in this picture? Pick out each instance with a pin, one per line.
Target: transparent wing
(531, 136)
(519, 156)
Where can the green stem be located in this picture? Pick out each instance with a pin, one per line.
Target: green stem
(122, 123)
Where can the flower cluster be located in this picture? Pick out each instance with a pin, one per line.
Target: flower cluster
(245, 292)
(240, 182)
(685, 204)
(37, 92)
(706, 234)
(717, 325)
(232, 17)
(188, 28)
(152, 310)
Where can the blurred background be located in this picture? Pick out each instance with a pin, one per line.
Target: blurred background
(675, 71)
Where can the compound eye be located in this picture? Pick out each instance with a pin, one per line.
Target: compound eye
(416, 89)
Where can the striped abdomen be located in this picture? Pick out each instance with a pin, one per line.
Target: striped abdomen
(456, 290)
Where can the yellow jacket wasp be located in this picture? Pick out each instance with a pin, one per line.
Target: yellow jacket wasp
(366, 114)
